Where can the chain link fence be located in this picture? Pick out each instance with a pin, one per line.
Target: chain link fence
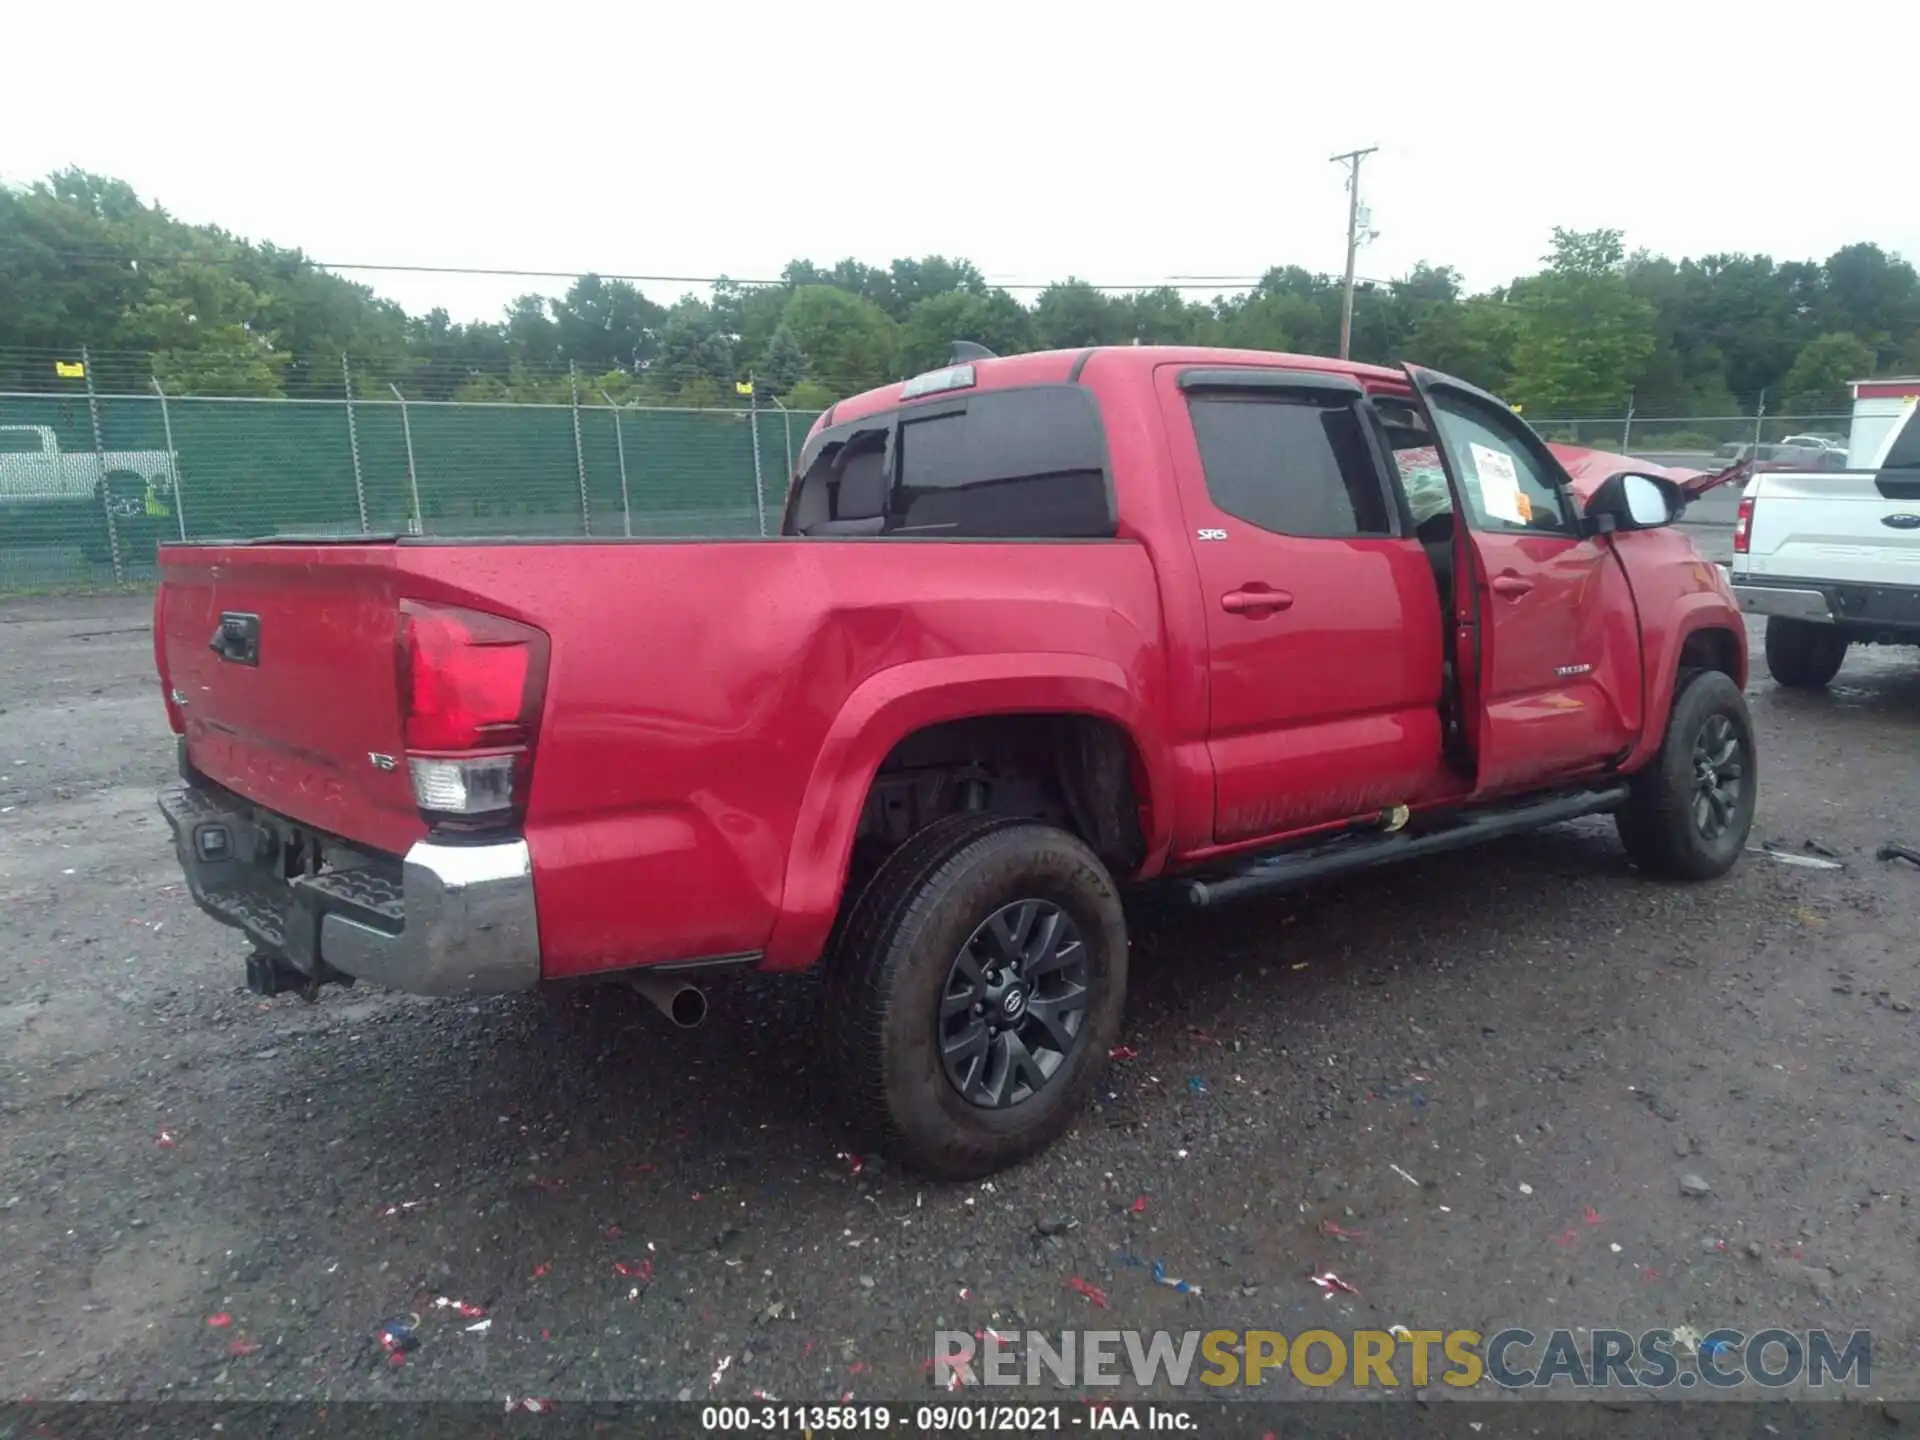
(98, 465)
(91, 483)
(1684, 436)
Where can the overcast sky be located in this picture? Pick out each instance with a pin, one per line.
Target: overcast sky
(1121, 144)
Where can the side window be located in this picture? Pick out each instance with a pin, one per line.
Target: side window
(1013, 464)
(1507, 486)
(1292, 464)
(1416, 461)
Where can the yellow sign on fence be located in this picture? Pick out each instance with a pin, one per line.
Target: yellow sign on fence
(70, 369)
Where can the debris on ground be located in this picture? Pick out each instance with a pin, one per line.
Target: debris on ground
(1092, 1292)
(1891, 851)
(1818, 847)
(528, 1404)
(220, 1321)
(1787, 857)
(1196, 1086)
(1340, 1232)
(1694, 1185)
(401, 1209)
(1525, 1189)
(719, 1370)
(460, 1308)
(1139, 1206)
(1590, 1215)
(1055, 1225)
(1160, 1277)
(398, 1339)
(164, 1140)
(1123, 1052)
(1404, 1175)
(239, 1348)
(1331, 1284)
(480, 1327)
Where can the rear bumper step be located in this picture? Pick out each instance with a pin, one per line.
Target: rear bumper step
(1868, 611)
(444, 920)
(1788, 602)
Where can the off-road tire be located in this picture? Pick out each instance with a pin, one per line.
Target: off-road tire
(1658, 824)
(886, 975)
(1802, 655)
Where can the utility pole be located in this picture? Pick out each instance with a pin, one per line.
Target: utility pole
(1352, 161)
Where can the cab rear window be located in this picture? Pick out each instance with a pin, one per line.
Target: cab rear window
(1027, 463)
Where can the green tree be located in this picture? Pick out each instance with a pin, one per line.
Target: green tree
(693, 349)
(850, 343)
(783, 366)
(993, 319)
(1583, 335)
(1071, 313)
(1871, 294)
(603, 325)
(1473, 340)
(1822, 372)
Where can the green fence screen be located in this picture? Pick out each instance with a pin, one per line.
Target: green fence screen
(85, 505)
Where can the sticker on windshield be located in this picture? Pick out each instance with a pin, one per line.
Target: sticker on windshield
(1500, 493)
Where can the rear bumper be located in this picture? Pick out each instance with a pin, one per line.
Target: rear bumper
(1867, 612)
(1789, 602)
(444, 920)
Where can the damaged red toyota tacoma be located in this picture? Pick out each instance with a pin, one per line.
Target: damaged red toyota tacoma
(1036, 628)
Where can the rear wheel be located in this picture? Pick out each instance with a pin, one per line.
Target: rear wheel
(1803, 655)
(975, 993)
(1691, 809)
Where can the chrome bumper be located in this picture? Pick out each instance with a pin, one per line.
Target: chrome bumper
(1788, 602)
(445, 920)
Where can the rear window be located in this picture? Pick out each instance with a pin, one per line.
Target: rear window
(1292, 464)
(1029, 463)
(1008, 464)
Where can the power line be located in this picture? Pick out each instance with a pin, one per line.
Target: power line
(1171, 282)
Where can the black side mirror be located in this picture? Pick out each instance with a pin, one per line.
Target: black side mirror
(1631, 501)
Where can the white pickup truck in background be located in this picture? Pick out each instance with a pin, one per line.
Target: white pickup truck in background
(1832, 557)
(33, 468)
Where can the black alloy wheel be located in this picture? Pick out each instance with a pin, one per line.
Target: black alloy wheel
(1014, 1006)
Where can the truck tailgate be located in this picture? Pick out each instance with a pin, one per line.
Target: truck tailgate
(308, 724)
(1832, 526)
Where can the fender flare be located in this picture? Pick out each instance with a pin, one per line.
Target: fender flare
(1691, 614)
(891, 705)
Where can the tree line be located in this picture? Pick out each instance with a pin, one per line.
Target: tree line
(85, 262)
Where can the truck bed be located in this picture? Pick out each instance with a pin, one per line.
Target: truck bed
(692, 691)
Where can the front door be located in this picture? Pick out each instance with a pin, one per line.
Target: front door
(1323, 659)
(1558, 670)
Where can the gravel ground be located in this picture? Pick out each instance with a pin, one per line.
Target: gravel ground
(206, 1195)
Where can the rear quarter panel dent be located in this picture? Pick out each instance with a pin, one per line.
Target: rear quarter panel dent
(895, 703)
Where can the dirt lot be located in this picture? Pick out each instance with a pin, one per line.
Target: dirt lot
(206, 1195)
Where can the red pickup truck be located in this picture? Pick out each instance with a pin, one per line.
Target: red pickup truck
(1035, 628)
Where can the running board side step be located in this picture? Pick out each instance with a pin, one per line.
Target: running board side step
(1353, 852)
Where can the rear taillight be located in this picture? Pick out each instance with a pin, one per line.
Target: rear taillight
(1743, 525)
(471, 686)
(175, 717)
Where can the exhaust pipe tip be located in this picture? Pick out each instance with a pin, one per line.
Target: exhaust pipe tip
(685, 1005)
(688, 1007)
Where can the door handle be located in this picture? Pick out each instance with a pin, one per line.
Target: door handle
(1511, 586)
(1255, 601)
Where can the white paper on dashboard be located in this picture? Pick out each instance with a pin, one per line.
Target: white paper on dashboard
(1500, 493)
